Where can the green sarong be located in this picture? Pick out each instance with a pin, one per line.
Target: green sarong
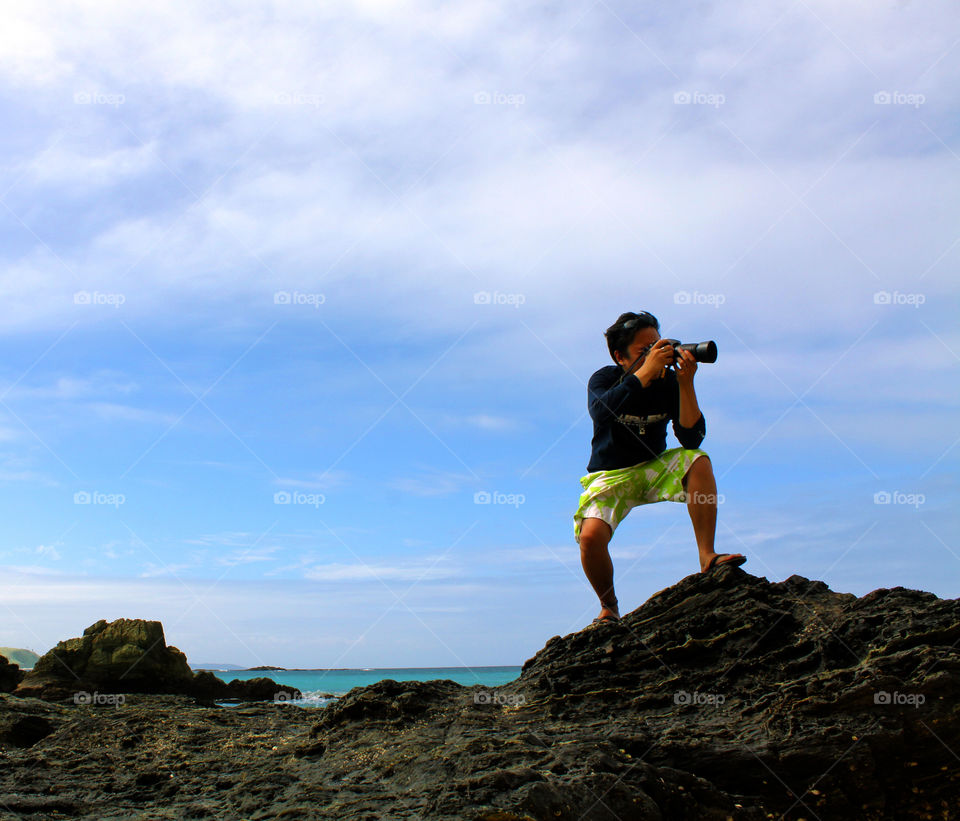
(611, 494)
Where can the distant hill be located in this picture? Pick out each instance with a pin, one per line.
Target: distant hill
(211, 665)
(25, 658)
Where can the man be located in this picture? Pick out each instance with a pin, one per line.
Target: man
(630, 404)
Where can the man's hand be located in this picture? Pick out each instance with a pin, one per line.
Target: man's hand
(685, 368)
(655, 363)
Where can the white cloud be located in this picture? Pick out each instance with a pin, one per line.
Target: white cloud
(484, 421)
(75, 387)
(153, 570)
(375, 571)
(432, 482)
(112, 411)
(28, 54)
(48, 551)
(60, 164)
(319, 481)
(533, 188)
(35, 570)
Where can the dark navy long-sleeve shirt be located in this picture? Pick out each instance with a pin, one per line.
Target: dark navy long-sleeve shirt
(630, 421)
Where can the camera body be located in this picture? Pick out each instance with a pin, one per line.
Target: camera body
(702, 351)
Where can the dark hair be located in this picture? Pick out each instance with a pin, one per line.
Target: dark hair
(621, 333)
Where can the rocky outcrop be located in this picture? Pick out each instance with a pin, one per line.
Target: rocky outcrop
(723, 697)
(10, 675)
(131, 656)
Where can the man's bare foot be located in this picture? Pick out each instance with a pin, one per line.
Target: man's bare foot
(712, 560)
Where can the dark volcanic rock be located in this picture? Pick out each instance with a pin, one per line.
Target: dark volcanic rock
(260, 689)
(10, 675)
(722, 697)
(131, 656)
(122, 656)
(818, 703)
(208, 687)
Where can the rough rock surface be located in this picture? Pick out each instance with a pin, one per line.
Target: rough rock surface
(10, 675)
(722, 697)
(131, 656)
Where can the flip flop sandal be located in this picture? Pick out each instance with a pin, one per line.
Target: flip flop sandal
(714, 563)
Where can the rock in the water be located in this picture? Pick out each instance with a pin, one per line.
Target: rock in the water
(209, 687)
(130, 656)
(260, 689)
(122, 656)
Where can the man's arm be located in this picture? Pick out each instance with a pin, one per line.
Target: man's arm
(689, 407)
(605, 397)
(690, 426)
(609, 390)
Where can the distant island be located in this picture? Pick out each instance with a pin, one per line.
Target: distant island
(266, 667)
(24, 658)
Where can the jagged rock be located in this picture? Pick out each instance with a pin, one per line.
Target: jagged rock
(10, 675)
(208, 687)
(26, 731)
(131, 656)
(123, 656)
(722, 697)
(24, 722)
(260, 689)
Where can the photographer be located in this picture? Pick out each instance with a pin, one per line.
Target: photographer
(630, 404)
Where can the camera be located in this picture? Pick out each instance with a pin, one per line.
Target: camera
(702, 351)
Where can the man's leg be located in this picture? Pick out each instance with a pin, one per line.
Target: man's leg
(701, 490)
(595, 535)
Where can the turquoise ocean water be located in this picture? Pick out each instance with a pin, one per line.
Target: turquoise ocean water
(318, 686)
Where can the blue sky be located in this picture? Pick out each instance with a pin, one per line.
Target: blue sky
(362, 256)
